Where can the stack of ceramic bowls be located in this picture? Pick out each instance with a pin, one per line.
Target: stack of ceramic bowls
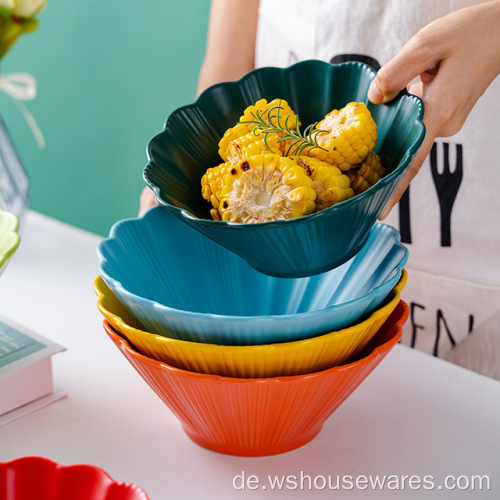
(251, 364)
(253, 334)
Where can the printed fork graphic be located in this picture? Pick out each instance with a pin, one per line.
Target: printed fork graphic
(447, 184)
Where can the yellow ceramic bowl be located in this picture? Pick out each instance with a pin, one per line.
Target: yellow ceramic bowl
(249, 361)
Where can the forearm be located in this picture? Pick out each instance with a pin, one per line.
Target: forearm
(230, 47)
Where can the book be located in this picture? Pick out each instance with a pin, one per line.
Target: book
(26, 376)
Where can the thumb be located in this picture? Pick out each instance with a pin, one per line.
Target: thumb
(395, 75)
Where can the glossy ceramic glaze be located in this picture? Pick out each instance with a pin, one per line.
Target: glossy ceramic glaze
(38, 478)
(180, 284)
(254, 361)
(181, 153)
(260, 416)
(9, 237)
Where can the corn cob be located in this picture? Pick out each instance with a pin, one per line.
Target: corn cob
(330, 184)
(277, 112)
(212, 183)
(264, 188)
(252, 144)
(350, 134)
(246, 133)
(365, 174)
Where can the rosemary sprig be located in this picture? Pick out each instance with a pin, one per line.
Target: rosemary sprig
(300, 140)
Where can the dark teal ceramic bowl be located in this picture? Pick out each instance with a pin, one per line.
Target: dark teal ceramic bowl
(188, 145)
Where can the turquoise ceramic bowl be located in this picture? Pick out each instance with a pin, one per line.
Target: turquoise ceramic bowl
(180, 284)
(181, 153)
(9, 237)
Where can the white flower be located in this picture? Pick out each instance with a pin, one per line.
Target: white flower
(7, 4)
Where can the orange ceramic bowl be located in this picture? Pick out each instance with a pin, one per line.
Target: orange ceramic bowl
(260, 416)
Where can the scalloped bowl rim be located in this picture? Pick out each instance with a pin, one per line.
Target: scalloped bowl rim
(84, 466)
(355, 199)
(281, 378)
(396, 291)
(11, 231)
(392, 279)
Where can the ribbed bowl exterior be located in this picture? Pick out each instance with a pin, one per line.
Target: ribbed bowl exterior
(29, 478)
(180, 154)
(262, 416)
(252, 361)
(177, 283)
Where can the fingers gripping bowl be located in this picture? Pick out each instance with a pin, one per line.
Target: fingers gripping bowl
(188, 145)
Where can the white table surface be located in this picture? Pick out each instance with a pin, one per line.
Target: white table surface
(414, 416)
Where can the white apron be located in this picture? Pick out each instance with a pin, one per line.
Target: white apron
(450, 216)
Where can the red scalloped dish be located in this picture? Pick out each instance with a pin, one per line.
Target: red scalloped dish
(38, 478)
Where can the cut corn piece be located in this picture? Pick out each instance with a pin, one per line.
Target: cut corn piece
(252, 144)
(350, 134)
(264, 188)
(240, 136)
(330, 184)
(212, 183)
(283, 117)
(367, 173)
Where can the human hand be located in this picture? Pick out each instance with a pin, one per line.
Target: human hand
(456, 57)
(230, 49)
(147, 200)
